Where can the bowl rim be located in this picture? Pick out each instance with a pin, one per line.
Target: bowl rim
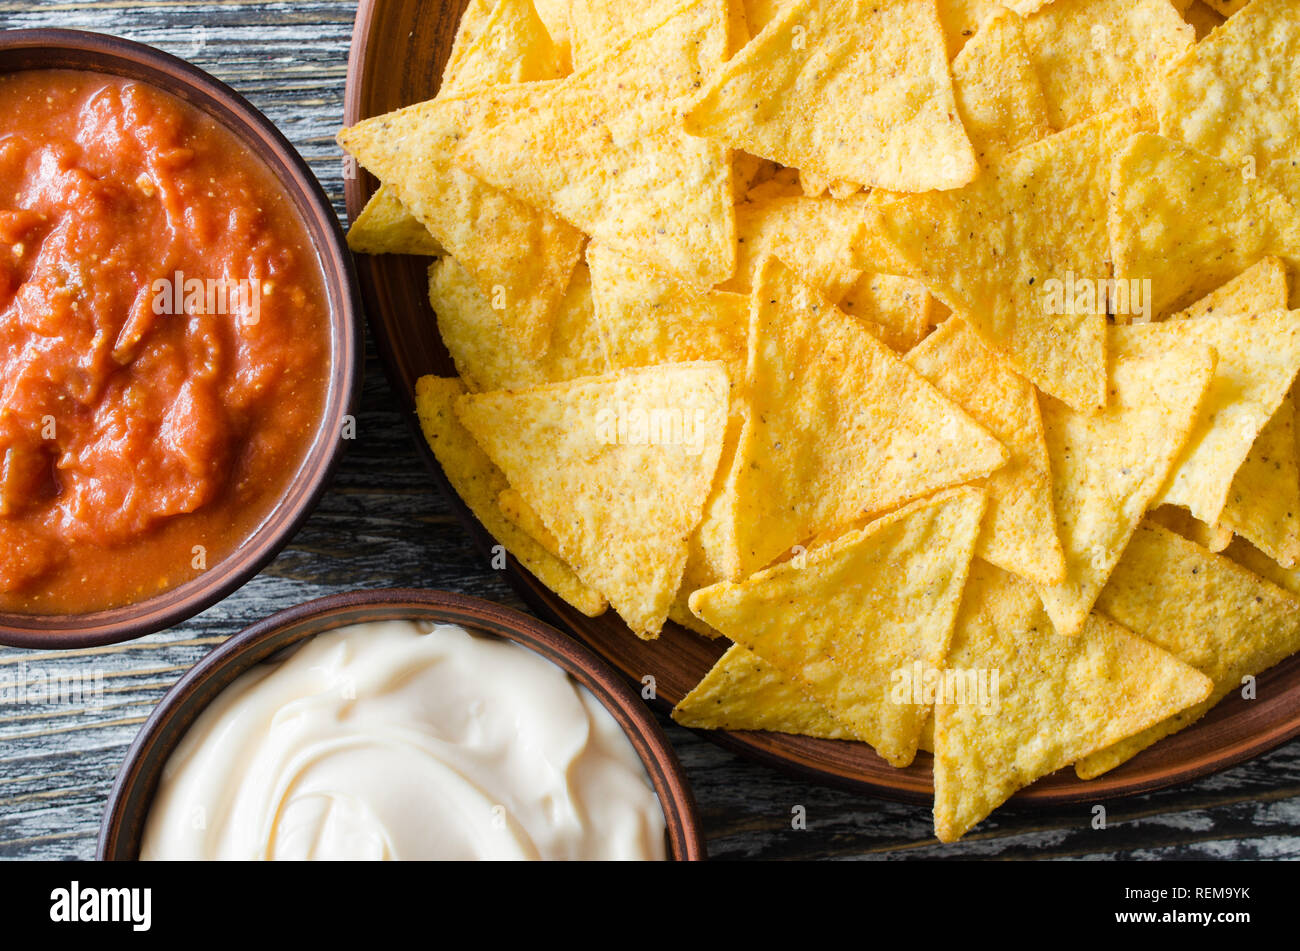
(60, 49)
(136, 781)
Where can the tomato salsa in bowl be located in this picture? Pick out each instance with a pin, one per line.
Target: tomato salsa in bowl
(179, 340)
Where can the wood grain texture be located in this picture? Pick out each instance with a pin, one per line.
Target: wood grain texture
(383, 524)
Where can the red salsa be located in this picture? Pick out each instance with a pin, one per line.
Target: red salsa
(163, 342)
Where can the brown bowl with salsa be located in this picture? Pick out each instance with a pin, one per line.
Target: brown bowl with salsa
(180, 349)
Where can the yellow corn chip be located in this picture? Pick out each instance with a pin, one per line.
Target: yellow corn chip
(513, 46)
(601, 26)
(849, 616)
(385, 227)
(1178, 519)
(1254, 560)
(1058, 699)
(1236, 95)
(647, 318)
(618, 467)
(1264, 502)
(489, 357)
(680, 613)
(818, 237)
(1204, 19)
(517, 254)
(1227, 7)
(1262, 288)
(999, 97)
(1019, 531)
(1259, 357)
(1108, 467)
(839, 427)
(742, 692)
(1096, 55)
(899, 310)
(604, 149)
(1015, 252)
(962, 18)
(472, 23)
(845, 89)
(1188, 222)
(555, 14)
(926, 743)
(1206, 611)
(759, 13)
(521, 513)
(479, 484)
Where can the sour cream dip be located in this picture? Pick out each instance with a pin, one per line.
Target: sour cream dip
(405, 740)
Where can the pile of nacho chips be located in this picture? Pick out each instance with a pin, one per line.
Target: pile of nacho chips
(938, 354)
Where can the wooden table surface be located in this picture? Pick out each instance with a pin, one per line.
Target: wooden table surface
(383, 525)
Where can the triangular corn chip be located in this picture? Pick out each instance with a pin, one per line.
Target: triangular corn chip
(488, 357)
(817, 237)
(386, 227)
(1058, 698)
(1158, 187)
(1020, 528)
(759, 13)
(961, 19)
(472, 23)
(898, 310)
(1003, 252)
(647, 318)
(1236, 96)
(1261, 288)
(598, 27)
(1226, 7)
(1177, 519)
(479, 484)
(1259, 357)
(839, 427)
(1107, 467)
(999, 97)
(1264, 502)
(1024, 7)
(845, 618)
(1096, 55)
(517, 254)
(604, 149)
(1203, 18)
(618, 467)
(845, 89)
(742, 692)
(555, 14)
(1255, 561)
(1206, 611)
(513, 46)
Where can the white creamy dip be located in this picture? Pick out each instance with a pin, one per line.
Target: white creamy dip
(401, 740)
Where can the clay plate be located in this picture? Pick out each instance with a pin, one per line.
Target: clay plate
(398, 51)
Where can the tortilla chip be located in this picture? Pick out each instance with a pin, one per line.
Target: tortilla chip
(468, 30)
(1059, 699)
(1206, 611)
(759, 13)
(516, 253)
(848, 617)
(1227, 7)
(1108, 467)
(1264, 502)
(1236, 95)
(618, 467)
(999, 97)
(1262, 288)
(647, 318)
(1025, 7)
(1259, 357)
(1093, 56)
(489, 357)
(555, 14)
(844, 89)
(742, 692)
(1252, 559)
(839, 427)
(479, 484)
(899, 310)
(1204, 19)
(962, 18)
(1019, 531)
(1177, 519)
(926, 743)
(604, 149)
(1188, 222)
(514, 507)
(513, 46)
(385, 227)
(999, 253)
(601, 26)
(817, 237)
(680, 613)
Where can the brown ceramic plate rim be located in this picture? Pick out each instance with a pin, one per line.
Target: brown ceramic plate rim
(22, 50)
(137, 780)
(1209, 746)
